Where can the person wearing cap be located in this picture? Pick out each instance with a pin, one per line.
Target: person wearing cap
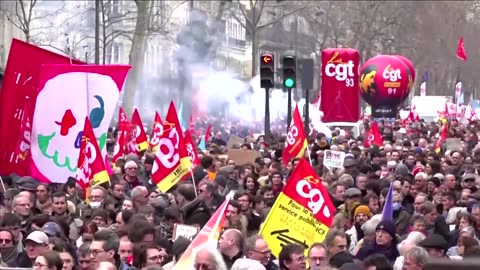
(435, 245)
(352, 195)
(35, 244)
(361, 215)
(385, 242)
(51, 229)
(468, 182)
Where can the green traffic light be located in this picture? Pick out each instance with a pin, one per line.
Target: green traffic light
(289, 83)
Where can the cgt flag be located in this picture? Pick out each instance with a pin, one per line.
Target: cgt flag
(192, 150)
(373, 136)
(296, 141)
(302, 213)
(157, 132)
(139, 132)
(172, 162)
(91, 170)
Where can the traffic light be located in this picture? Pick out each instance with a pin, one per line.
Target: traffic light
(267, 71)
(289, 68)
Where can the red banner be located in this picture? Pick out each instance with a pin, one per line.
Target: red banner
(296, 141)
(139, 132)
(91, 167)
(340, 95)
(23, 142)
(171, 160)
(157, 132)
(20, 80)
(191, 150)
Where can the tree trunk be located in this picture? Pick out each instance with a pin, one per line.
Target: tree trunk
(137, 53)
(97, 31)
(254, 51)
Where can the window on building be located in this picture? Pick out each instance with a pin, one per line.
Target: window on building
(115, 7)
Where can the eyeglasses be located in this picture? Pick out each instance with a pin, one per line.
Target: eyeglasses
(5, 241)
(201, 266)
(95, 252)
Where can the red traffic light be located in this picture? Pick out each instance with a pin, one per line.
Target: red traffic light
(267, 58)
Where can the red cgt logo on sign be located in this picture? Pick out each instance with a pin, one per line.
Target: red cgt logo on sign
(340, 97)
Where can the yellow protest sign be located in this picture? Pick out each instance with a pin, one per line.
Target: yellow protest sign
(302, 213)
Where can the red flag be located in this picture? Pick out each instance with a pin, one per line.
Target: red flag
(23, 142)
(413, 116)
(120, 147)
(443, 137)
(123, 122)
(207, 133)
(374, 136)
(139, 132)
(157, 132)
(22, 75)
(309, 207)
(91, 167)
(192, 150)
(171, 161)
(296, 141)
(461, 53)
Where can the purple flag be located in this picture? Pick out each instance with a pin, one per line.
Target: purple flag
(387, 213)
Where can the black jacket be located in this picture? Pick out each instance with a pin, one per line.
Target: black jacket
(390, 252)
(196, 212)
(21, 261)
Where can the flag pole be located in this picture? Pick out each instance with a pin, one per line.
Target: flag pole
(3, 184)
(309, 157)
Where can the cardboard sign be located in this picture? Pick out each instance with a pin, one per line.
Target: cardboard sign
(242, 157)
(454, 144)
(186, 231)
(333, 159)
(234, 139)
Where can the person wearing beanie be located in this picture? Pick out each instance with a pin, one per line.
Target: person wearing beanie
(361, 215)
(385, 242)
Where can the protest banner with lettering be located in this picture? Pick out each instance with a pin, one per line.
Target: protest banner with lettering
(172, 161)
(58, 119)
(296, 141)
(302, 213)
(20, 81)
(333, 159)
(186, 231)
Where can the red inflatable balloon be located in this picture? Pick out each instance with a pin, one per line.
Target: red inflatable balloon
(384, 82)
(409, 64)
(411, 69)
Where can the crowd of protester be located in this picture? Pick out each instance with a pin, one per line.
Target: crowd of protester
(128, 224)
